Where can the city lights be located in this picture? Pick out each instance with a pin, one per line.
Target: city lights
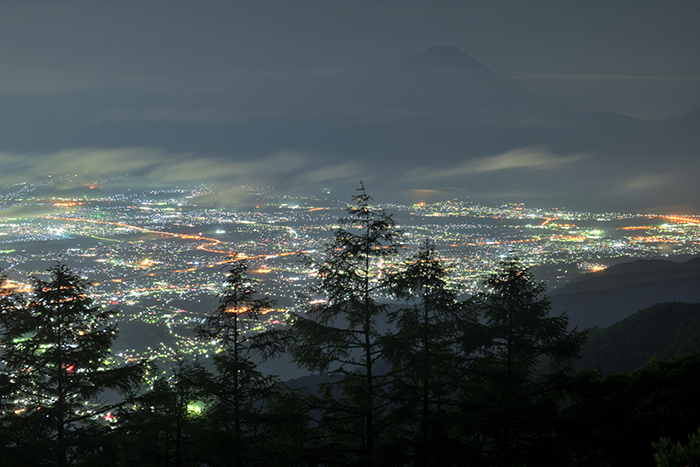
(159, 259)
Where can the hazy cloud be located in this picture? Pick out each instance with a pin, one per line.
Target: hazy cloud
(255, 171)
(530, 158)
(154, 166)
(332, 173)
(308, 94)
(96, 162)
(425, 195)
(645, 182)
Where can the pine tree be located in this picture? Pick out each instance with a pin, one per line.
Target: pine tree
(426, 358)
(511, 403)
(56, 355)
(339, 334)
(238, 387)
(678, 455)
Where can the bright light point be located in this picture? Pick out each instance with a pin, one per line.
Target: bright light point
(195, 408)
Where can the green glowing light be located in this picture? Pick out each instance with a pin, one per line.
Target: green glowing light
(195, 408)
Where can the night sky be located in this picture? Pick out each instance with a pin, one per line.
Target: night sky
(588, 105)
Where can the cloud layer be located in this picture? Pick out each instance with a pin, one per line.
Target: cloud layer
(531, 158)
(313, 94)
(154, 167)
(533, 174)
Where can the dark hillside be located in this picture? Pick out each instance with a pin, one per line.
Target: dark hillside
(628, 273)
(606, 297)
(662, 331)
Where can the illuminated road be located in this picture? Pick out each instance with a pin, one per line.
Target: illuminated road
(683, 219)
(211, 241)
(208, 246)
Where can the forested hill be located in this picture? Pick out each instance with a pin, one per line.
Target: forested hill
(606, 297)
(662, 331)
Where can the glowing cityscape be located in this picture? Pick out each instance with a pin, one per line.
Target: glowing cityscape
(158, 255)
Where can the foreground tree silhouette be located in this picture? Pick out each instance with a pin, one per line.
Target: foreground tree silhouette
(678, 455)
(339, 335)
(426, 359)
(238, 388)
(55, 353)
(167, 426)
(627, 416)
(511, 404)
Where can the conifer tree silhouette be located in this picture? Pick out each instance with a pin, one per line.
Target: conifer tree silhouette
(339, 334)
(56, 358)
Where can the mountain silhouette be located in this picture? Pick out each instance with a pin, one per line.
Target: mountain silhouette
(415, 118)
(663, 331)
(687, 122)
(442, 58)
(603, 298)
(445, 83)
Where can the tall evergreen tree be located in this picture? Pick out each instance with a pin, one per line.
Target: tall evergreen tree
(426, 359)
(339, 334)
(55, 353)
(238, 387)
(512, 404)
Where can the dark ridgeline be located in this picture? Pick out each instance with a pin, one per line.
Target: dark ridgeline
(662, 331)
(606, 297)
(432, 380)
(440, 57)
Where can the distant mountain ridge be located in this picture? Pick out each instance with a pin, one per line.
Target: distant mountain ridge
(691, 117)
(421, 119)
(603, 298)
(628, 273)
(446, 83)
(444, 57)
(662, 331)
